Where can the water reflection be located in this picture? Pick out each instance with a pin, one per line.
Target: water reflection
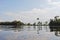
(30, 33)
(46, 28)
(38, 29)
(55, 29)
(31, 28)
(34, 27)
(57, 33)
(11, 28)
(18, 29)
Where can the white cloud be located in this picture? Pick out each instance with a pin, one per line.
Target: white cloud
(30, 16)
(49, 1)
(27, 16)
(55, 4)
(1, 19)
(44, 13)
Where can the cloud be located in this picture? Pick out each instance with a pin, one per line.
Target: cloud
(49, 1)
(54, 3)
(44, 14)
(26, 16)
(30, 16)
(1, 19)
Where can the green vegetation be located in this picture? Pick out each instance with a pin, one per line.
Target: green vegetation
(55, 24)
(19, 23)
(39, 23)
(55, 21)
(12, 23)
(28, 24)
(34, 24)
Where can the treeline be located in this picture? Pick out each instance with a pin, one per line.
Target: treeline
(55, 21)
(38, 24)
(12, 23)
(15, 22)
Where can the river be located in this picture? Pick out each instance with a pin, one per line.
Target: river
(27, 33)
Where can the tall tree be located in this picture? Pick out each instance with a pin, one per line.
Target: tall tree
(56, 18)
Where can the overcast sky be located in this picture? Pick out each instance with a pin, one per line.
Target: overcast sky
(29, 10)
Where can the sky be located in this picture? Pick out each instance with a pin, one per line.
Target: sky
(28, 10)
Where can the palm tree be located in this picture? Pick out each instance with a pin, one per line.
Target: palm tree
(37, 18)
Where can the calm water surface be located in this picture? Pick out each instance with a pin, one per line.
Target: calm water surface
(27, 33)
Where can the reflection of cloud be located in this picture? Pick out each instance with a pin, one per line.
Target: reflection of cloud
(12, 37)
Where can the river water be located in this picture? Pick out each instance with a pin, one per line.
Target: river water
(27, 33)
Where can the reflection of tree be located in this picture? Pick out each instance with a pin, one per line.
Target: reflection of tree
(38, 29)
(56, 30)
(57, 33)
(34, 27)
(46, 28)
(19, 29)
(29, 28)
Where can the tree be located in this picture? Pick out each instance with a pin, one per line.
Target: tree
(39, 23)
(37, 18)
(34, 24)
(46, 23)
(56, 18)
(28, 24)
(55, 22)
(51, 22)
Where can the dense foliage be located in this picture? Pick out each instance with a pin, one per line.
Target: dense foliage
(12, 23)
(55, 22)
